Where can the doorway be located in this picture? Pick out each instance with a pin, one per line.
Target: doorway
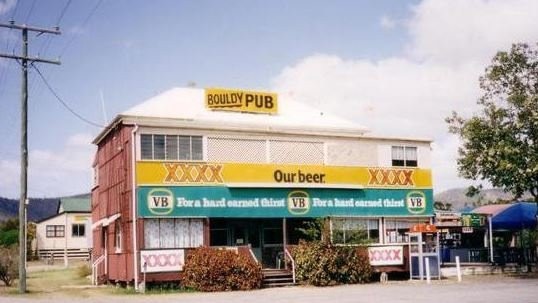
(265, 237)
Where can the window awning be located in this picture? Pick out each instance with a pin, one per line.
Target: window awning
(106, 221)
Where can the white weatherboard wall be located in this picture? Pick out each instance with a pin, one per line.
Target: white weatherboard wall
(68, 241)
(352, 152)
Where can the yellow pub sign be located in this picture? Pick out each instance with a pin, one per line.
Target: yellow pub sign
(241, 101)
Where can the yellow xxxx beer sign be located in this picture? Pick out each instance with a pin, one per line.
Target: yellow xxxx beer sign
(193, 173)
(380, 176)
(281, 175)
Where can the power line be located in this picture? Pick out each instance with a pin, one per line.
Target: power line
(30, 11)
(46, 44)
(63, 12)
(82, 25)
(4, 70)
(64, 103)
(15, 10)
(24, 60)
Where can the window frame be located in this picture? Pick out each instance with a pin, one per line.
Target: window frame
(168, 139)
(190, 221)
(78, 226)
(118, 237)
(55, 231)
(395, 230)
(369, 229)
(405, 162)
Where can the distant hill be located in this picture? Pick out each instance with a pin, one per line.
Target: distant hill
(38, 208)
(459, 200)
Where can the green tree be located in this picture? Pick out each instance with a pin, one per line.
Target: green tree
(499, 144)
(438, 205)
(8, 238)
(9, 224)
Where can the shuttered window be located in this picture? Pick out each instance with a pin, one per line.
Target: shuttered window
(158, 146)
(184, 147)
(171, 147)
(146, 146)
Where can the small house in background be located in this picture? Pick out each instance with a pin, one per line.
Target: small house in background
(67, 234)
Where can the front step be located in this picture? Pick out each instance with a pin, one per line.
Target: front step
(277, 278)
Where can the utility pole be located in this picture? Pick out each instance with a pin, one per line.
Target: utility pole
(24, 59)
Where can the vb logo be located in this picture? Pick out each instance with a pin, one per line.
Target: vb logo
(416, 202)
(298, 202)
(160, 201)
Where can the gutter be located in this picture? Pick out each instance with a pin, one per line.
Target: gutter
(133, 197)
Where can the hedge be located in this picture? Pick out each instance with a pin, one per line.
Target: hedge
(209, 269)
(323, 264)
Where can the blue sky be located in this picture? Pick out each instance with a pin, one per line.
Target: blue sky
(372, 56)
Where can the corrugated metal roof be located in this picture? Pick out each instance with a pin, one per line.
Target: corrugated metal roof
(74, 205)
(188, 104)
(187, 107)
(492, 209)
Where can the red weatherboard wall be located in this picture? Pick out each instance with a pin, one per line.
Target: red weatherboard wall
(112, 195)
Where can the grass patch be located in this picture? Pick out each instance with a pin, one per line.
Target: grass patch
(49, 280)
(53, 281)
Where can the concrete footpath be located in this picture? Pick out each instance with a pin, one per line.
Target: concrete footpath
(482, 289)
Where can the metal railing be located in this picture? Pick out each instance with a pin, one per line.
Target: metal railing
(288, 255)
(96, 263)
(252, 254)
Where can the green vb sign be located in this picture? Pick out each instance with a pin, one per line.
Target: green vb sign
(224, 202)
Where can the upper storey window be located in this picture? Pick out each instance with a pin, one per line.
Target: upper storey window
(404, 156)
(171, 147)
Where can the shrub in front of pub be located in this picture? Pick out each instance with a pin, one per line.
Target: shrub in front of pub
(323, 264)
(209, 269)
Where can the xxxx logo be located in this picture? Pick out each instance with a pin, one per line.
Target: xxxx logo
(162, 260)
(193, 173)
(392, 177)
(385, 255)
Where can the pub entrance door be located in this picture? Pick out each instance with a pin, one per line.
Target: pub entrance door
(265, 237)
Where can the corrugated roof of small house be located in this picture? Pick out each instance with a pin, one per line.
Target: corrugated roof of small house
(72, 205)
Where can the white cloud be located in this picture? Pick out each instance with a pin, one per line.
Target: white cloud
(410, 95)
(393, 96)
(6, 6)
(387, 22)
(459, 31)
(52, 172)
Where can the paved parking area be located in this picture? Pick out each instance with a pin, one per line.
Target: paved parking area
(482, 289)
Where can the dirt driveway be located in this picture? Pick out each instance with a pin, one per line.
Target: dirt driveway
(480, 289)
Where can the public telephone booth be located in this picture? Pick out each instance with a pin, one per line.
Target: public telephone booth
(424, 252)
